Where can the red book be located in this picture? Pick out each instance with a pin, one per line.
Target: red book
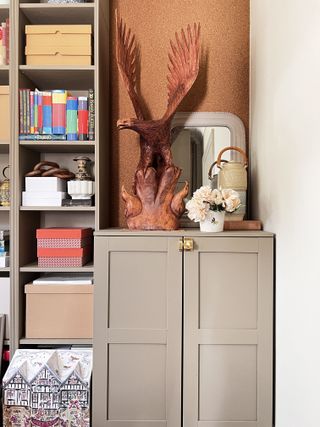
(64, 233)
(8, 41)
(64, 252)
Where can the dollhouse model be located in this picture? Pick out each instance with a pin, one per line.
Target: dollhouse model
(48, 388)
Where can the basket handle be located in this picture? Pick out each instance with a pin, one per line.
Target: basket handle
(212, 166)
(235, 149)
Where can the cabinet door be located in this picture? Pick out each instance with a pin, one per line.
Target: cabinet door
(228, 333)
(137, 334)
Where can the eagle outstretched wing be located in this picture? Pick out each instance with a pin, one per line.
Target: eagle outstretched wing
(183, 66)
(126, 60)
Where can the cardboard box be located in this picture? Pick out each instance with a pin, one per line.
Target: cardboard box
(4, 114)
(58, 44)
(59, 311)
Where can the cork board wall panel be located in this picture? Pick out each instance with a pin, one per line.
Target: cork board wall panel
(222, 85)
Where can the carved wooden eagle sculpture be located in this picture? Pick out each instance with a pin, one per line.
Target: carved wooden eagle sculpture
(154, 204)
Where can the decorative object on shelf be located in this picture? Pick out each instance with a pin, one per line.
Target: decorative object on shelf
(46, 169)
(233, 174)
(65, 1)
(243, 225)
(154, 204)
(48, 388)
(208, 207)
(82, 188)
(5, 189)
(45, 185)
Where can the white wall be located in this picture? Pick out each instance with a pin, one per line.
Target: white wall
(285, 158)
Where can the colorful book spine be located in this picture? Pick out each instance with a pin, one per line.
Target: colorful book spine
(59, 101)
(47, 113)
(35, 113)
(40, 112)
(24, 96)
(91, 119)
(21, 111)
(28, 110)
(2, 48)
(8, 41)
(72, 118)
(32, 112)
(83, 118)
(4, 41)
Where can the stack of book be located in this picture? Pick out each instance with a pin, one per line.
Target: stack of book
(4, 249)
(4, 42)
(64, 247)
(44, 191)
(56, 115)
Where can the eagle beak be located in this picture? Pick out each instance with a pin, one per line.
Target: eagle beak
(124, 124)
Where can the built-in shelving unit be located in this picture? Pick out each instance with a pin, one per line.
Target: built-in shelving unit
(25, 154)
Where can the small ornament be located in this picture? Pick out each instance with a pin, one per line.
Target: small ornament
(5, 189)
(83, 174)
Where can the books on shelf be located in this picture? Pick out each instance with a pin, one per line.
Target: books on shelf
(64, 247)
(56, 115)
(4, 42)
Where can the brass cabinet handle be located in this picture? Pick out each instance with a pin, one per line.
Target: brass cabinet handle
(185, 244)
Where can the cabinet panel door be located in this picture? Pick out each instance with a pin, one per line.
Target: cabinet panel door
(228, 314)
(137, 334)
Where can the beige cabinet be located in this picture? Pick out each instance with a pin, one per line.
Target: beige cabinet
(183, 338)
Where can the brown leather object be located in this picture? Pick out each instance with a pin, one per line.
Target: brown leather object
(46, 169)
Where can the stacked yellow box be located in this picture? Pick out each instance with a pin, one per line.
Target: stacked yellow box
(58, 44)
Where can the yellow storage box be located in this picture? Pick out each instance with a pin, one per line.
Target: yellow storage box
(4, 114)
(58, 44)
(59, 311)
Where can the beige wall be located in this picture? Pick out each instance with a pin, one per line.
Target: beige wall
(222, 84)
(285, 153)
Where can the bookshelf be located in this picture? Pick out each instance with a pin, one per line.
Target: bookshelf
(25, 154)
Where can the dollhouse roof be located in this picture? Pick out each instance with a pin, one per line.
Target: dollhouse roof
(61, 363)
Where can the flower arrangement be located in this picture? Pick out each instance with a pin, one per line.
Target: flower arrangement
(206, 202)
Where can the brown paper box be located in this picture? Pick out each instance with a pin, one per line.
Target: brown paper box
(59, 311)
(58, 44)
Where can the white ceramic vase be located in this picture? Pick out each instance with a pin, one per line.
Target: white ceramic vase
(214, 223)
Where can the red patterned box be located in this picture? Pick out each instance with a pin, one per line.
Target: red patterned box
(58, 262)
(64, 243)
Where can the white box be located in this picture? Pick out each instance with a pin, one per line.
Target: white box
(5, 301)
(4, 261)
(48, 184)
(32, 198)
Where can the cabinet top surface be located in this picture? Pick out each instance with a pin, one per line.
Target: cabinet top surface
(192, 232)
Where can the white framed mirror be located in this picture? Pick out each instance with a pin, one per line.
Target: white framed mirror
(197, 139)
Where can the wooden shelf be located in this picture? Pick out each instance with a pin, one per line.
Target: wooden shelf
(59, 208)
(6, 342)
(5, 270)
(60, 146)
(5, 208)
(51, 77)
(33, 268)
(56, 341)
(48, 13)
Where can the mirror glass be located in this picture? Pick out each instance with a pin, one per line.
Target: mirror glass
(194, 150)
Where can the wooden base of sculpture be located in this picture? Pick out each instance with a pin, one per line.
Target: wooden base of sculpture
(155, 206)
